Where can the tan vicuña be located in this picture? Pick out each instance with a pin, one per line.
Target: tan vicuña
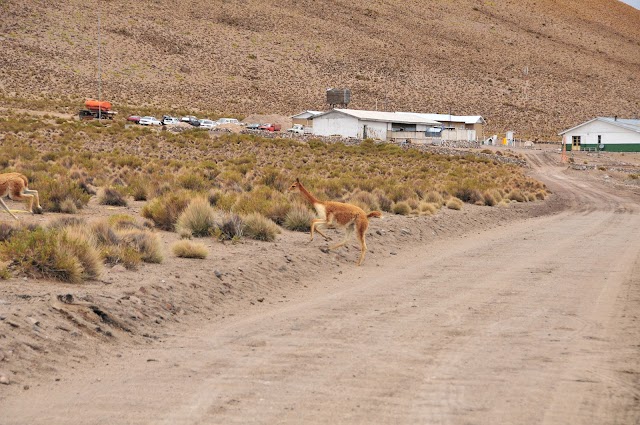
(339, 214)
(15, 186)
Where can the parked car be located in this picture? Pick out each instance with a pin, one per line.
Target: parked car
(188, 118)
(149, 121)
(297, 129)
(270, 127)
(227, 121)
(134, 118)
(252, 126)
(207, 124)
(169, 120)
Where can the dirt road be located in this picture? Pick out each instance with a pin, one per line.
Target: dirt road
(531, 323)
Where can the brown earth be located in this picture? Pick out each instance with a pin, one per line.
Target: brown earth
(466, 57)
(525, 314)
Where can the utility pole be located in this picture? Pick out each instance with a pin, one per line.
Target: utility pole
(99, 69)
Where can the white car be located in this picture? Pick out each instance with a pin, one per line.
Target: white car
(227, 121)
(149, 121)
(170, 120)
(207, 124)
(296, 129)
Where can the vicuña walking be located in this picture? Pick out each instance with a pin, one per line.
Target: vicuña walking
(15, 185)
(339, 214)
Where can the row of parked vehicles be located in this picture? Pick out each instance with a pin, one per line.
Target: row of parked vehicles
(190, 119)
(210, 124)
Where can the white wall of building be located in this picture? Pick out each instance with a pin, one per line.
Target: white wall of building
(610, 134)
(375, 129)
(335, 123)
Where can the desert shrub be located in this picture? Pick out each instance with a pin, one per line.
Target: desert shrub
(81, 242)
(198, 219)
(469, 195)
(413, 203)
(146, 243)
(112, 196)
(428, 208)
(516, 195)
(259, 227)
(7, 230)
(278, 211)
(385, 203)
(188, 249)
(165, 210)
(401, 208)
(434, 197)
(5, 273)
(123, 221)
(541, 194)
(369, 200)
(54, 191)
(193, 182)
(68, 206)
(138, 190)
(454, 204)
(229, 226)
(261, 199)
(221, 199)
(634, 176)
(298, 218)
(121, 254)
(40, 253)
(489, 199)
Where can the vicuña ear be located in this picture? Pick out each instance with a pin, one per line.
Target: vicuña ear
(297, 180)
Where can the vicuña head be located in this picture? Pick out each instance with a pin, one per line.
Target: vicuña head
(15, 185)
(338, 214)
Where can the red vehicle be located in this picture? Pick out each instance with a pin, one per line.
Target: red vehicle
(270, 127)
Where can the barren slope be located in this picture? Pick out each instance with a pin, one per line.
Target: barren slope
(252, 56)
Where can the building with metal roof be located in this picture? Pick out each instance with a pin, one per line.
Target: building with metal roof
(604, 134)
(378, 125)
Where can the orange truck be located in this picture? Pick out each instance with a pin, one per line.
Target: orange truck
(96, 109)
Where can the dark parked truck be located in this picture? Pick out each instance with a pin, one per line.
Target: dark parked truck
(96, 109)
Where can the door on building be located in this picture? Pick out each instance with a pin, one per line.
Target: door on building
(364, 132)
(575, 143)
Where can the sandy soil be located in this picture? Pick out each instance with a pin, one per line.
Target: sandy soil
(526, 314)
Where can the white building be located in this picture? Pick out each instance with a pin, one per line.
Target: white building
(459, 127)
(386, 126)
(602, 133)
(305, 118)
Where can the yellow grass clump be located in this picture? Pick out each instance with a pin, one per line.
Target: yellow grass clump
(189, 249)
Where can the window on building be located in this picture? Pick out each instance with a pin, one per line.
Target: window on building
(575, 140)
(599, 139)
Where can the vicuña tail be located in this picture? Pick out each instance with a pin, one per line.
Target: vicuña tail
(377, 214)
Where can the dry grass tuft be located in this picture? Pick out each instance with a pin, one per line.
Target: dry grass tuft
(198, 219)
(298, 218)
(401, 208)
(260, 228)
(165, 210)
(112, 196)
(454, 204)
(188, 249)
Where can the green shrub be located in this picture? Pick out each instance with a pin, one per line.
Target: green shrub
(198, 219)
(188, 249)
(7, 230)
(5, 273)
(454, 204)
(385, 203)
(165, 210)
(401, 208)
(260, 228)
(81, 242)
(298, 218)
(369, 200)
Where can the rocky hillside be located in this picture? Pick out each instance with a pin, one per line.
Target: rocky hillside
(249, 56)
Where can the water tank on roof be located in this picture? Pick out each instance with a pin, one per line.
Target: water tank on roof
(338, 97)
